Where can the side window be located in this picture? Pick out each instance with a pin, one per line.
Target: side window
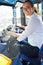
(6, 15)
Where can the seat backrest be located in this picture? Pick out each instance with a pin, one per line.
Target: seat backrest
(41, 51)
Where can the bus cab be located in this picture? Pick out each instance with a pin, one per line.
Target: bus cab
(13, 19)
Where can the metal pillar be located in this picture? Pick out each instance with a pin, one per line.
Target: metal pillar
(23, 21)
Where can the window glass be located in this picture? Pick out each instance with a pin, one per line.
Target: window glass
(6, 15)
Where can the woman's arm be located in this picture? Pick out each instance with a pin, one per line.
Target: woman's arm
(10, 33)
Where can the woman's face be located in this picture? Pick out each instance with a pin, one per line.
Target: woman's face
(28, 9)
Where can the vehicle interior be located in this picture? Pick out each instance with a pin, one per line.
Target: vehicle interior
(13, 19)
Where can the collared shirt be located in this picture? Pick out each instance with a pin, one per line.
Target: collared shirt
(33, 31)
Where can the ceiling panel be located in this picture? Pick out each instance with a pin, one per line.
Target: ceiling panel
(14, 1)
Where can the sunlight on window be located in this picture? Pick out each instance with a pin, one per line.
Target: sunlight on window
(6, 15)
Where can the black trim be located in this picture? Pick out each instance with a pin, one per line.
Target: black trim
(7, 4)
(37, 1)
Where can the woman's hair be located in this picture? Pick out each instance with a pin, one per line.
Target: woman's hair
(36, 11)
(31, 3)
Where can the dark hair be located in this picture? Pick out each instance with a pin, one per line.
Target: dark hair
(31, 3)
(35, 10)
